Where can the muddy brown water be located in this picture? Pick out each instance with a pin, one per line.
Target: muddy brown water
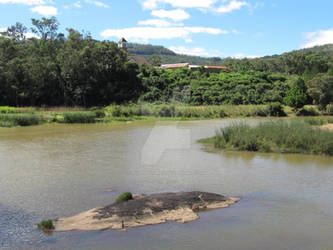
(54, 171)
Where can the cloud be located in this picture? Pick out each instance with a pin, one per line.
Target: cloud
(241, 56)
(27, 35)
(45, 10)
(158, 23)
(319, 37)
(74, 5)
(197, 51)
(97, 3)
(154, 4)
(231, 6)
(26, 2)
(146, 33)
(175, 15)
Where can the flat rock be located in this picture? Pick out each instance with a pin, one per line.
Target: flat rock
(145, 210)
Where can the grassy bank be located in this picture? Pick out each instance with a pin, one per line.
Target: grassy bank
(295, 136)
(10, 116)
(11, 120)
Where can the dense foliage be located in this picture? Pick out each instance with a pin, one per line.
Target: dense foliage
(58, 70)
(197, 88)
(75, 70)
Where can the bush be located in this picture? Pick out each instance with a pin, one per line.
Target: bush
(314, 121)
(7, 110)
(276, 109)
(100, 113)
(124, 197)
(166, 111)
(329, 110)
(46, 224)
(21, 119)
(307, 112)
(79, 117)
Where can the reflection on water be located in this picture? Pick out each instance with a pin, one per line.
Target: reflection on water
(59, 170)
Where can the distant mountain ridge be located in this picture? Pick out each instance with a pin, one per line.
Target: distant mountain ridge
(168, 56)
(165, 55)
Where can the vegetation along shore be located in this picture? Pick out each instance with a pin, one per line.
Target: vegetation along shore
(293, 136)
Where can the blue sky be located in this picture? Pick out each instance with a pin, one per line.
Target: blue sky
(237, 28)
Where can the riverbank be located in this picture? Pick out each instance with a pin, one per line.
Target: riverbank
(11, 117)
(294, 136)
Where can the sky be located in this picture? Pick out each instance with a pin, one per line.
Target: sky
(223, 28)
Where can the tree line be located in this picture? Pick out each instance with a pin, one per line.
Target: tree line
(76, 70)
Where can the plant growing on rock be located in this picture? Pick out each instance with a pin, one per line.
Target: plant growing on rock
(124, 197)
(46, 225)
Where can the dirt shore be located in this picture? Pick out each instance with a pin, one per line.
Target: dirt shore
(145, 210)
(328, 126)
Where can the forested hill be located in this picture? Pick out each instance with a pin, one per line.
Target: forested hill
(73, 69)
(305, 62)
(161, 55)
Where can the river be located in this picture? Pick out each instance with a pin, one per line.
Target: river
(59, 170)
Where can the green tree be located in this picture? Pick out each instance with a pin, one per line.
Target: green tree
(296, 97)
(321, 90)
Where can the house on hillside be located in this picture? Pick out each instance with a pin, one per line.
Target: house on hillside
(174, 66)
(207, 68)
(140, 60)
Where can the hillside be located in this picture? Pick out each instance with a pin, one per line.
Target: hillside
(304, 62)
(164, 55)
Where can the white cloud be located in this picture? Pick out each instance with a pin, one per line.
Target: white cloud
(31, 35)
(241, 56)
(27, 35)
(175, 15)
(146, 33)
(158, 23)
(320, 37)
(197, 51)
(231, 6)
(74, 5)
(26, 2)
(98, 3)
(154, 4)
(45, 10)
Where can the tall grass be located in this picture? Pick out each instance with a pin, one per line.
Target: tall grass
(8, 110)
(171, 110)
(11, 120)
(279, 136)
(80, 117)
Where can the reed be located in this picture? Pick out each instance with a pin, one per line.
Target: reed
(276, 136)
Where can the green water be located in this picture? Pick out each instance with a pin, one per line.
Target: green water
(59, 170)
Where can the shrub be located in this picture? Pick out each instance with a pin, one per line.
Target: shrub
(46, 224)
(100, 113)
(314, 121)
(7, 110)
(124, 197)
(166, 111)
(79, 117)
(307, 112)
(21, 119)
(330, 120)
(276, 109)
(329, 110)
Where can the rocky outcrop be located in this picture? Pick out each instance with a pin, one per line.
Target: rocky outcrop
(145, 210)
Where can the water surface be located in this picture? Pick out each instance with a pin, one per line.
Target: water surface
(58, 170)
